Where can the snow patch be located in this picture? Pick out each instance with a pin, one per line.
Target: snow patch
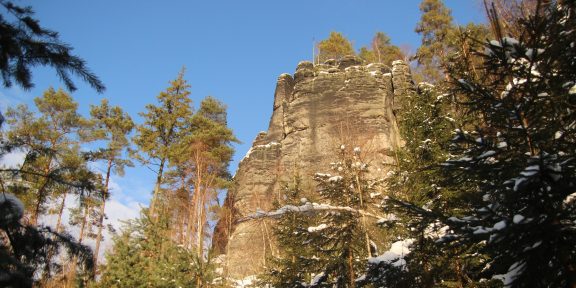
(12, 209)
(394, 256)
(517, 219)
(500, 225)
(246, 282)
(317, 228)
(513, 272)
(335, 179)
(387, 218)
(570, 198)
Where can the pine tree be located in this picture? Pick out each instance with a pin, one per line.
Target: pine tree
(163, 127)
(435, 26)
(331, 247)
(202, 159)
(26, 250)
(382, 51)
(143, 257)
(47, 141)
(519, 158)
(111, 125)
(335, 47)
(292, 268)
(26, 44)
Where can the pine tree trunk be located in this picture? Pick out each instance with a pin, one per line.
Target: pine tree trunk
(58, 229)
(41, 192)
(351, 268)
(154, 201)
(72, 270)
(60, 212)
(101, 216)
(191, 212)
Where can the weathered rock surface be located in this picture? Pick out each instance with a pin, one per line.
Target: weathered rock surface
(315, 111)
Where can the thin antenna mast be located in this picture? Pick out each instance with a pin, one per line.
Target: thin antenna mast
(313, 51)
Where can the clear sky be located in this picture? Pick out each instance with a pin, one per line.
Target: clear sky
(232, 50)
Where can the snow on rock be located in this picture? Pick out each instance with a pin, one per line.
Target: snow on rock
(259, 147)
(305, 208)
(11, 208)
(317, 228)
(394, 256)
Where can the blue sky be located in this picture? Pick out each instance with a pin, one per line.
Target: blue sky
(232, 50)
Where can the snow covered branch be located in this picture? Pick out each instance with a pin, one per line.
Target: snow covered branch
(305, 208)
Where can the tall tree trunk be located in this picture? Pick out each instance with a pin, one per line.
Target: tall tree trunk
(41, 191)
(72, 270)
(58, 229)
(60, 212)
(351, 268)
(154, 201)
(101, 216)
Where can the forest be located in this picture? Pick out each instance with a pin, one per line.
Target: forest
(482, 192)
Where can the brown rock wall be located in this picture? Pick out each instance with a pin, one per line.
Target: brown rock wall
(317, 110)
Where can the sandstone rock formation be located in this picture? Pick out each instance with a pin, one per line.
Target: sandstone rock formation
(316, 110)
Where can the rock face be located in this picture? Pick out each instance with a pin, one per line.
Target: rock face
(316, 110)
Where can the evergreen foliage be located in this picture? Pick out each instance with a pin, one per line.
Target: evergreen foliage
(520, 155)
(335, 47)
(26, 250)
(381, 50)
(51, 143)
(163, 127)
(504, 201)
(144, 257)
(111, 125)
(435, 26)
(25, 44)
(292, 268)
(327, 247)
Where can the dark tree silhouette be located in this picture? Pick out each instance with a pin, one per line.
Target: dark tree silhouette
(25, 44)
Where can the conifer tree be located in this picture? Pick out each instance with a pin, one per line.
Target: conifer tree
(112, 125)
(202, 159)
(163, 127)
(26, 250)
(143, 257)
(381, 50)
(334, 47)
(26, 44)
(47, 140)
(518, 158)
(435, 26)
(335, 243)
(292, 268)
